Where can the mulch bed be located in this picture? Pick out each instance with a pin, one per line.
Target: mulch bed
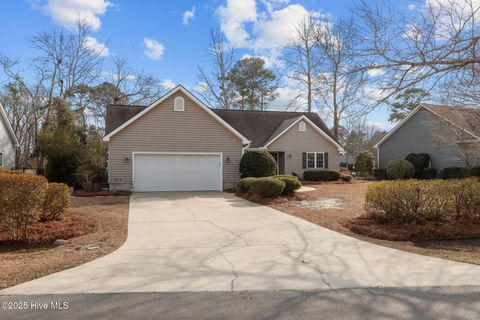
(447, 227)
(83, 193)
(270, 201)
(46, 232)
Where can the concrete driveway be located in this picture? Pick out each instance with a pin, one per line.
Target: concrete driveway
(218, 242)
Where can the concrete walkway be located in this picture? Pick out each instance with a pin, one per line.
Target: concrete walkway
(218, 242)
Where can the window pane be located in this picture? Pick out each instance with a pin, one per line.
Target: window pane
(310, 160)
(319, 160)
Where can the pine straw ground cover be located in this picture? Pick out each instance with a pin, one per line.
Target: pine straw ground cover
(95, 227)
(461, 241)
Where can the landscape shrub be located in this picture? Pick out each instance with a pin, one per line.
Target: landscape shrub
(429, 173)
(419, 161)
(21, 199)
(291, 183)
(364, 163)
(257, 163)
(244, 184)
(321, 175)
(404, 201)
(380, 174)
(475, 171)
(346, 177)
(400, 169)
(454, 173)
(267, 187)
(90, 176)
(56, 201)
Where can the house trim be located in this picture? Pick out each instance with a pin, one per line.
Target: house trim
(9, 127)
(411, 114)
(304, 118)
(176, 153)
(245, 141)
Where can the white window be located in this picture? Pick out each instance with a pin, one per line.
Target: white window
(315, 160)
(178, 104)
(301, 126)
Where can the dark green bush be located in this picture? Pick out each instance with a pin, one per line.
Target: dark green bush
(346, 177)
(267, 187)
(429, 173)
(257, 163)
(321, 175)
(291, 183)
(244, 184)
(454, 173)
(475, 171)
(380, 174)
(400, 169)
(364, 163)
(419, 161)
(90, 176)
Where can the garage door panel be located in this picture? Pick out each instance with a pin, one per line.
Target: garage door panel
(177, 172)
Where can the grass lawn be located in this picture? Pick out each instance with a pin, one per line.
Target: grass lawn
(340, 206)
(94, 226)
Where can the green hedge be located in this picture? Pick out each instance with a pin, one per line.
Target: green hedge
(429, 173)
(380, 174)
(321, 175)
(257, 163)
(419, 161)
(266, 187)
(291, 183)
(400, 169)
(346, 177)
(454, 173)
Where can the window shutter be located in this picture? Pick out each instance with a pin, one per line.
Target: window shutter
(325, 160)
(304, 160)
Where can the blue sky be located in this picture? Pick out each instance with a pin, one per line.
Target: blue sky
(168, 39)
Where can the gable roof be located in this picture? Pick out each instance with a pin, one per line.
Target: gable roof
(137, 115)
(261, 127)
(465, 119)
(4, 119)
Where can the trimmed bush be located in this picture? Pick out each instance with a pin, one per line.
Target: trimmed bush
(400, 169)
(380, 174)
(475, 171)
(56, 201)
(267, 187)
(321, 175)
(21, 199)
(244, 184)
(257, 163)
(454, 173)
(364, 163)
(90, 176)
(346, 177)
(429, 173)
(291, 183)
(419, 161)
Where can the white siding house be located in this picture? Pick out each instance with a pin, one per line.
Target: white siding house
(8, 142)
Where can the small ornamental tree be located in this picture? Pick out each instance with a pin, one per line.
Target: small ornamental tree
(364, 163)
(257, 163)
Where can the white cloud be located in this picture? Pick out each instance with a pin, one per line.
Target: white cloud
(285, 96)
(188, 15)
(97, 47)
(168, 84)
(153, 49)
(68, 12)
(233, 18)
(376, 72)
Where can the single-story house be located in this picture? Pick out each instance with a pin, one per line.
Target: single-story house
(8, 142)
(449, 135)
(179, 144)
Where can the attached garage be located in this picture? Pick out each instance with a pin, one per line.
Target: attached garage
(165, 171)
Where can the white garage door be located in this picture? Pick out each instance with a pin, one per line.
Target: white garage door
(177, 172)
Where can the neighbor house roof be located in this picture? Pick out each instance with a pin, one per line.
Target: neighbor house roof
(3, 117)
(464, 119)
(259, 127)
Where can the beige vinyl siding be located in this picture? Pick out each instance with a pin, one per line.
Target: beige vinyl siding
(294, 143)
(163, 130)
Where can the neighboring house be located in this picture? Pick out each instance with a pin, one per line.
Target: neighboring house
(8, 142)
(179, 144)
(377, 136)
(449, 135)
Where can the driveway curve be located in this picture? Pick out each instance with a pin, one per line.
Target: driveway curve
(215, 241)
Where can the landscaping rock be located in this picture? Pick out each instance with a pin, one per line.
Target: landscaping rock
(93, 247)
(59, 242)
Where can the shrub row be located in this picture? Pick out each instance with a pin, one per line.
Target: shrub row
(321, 175)
(26, 199)
(269, 187)
(404, 201)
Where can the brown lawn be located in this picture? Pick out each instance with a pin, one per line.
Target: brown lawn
(340, 206)
(94, 226)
